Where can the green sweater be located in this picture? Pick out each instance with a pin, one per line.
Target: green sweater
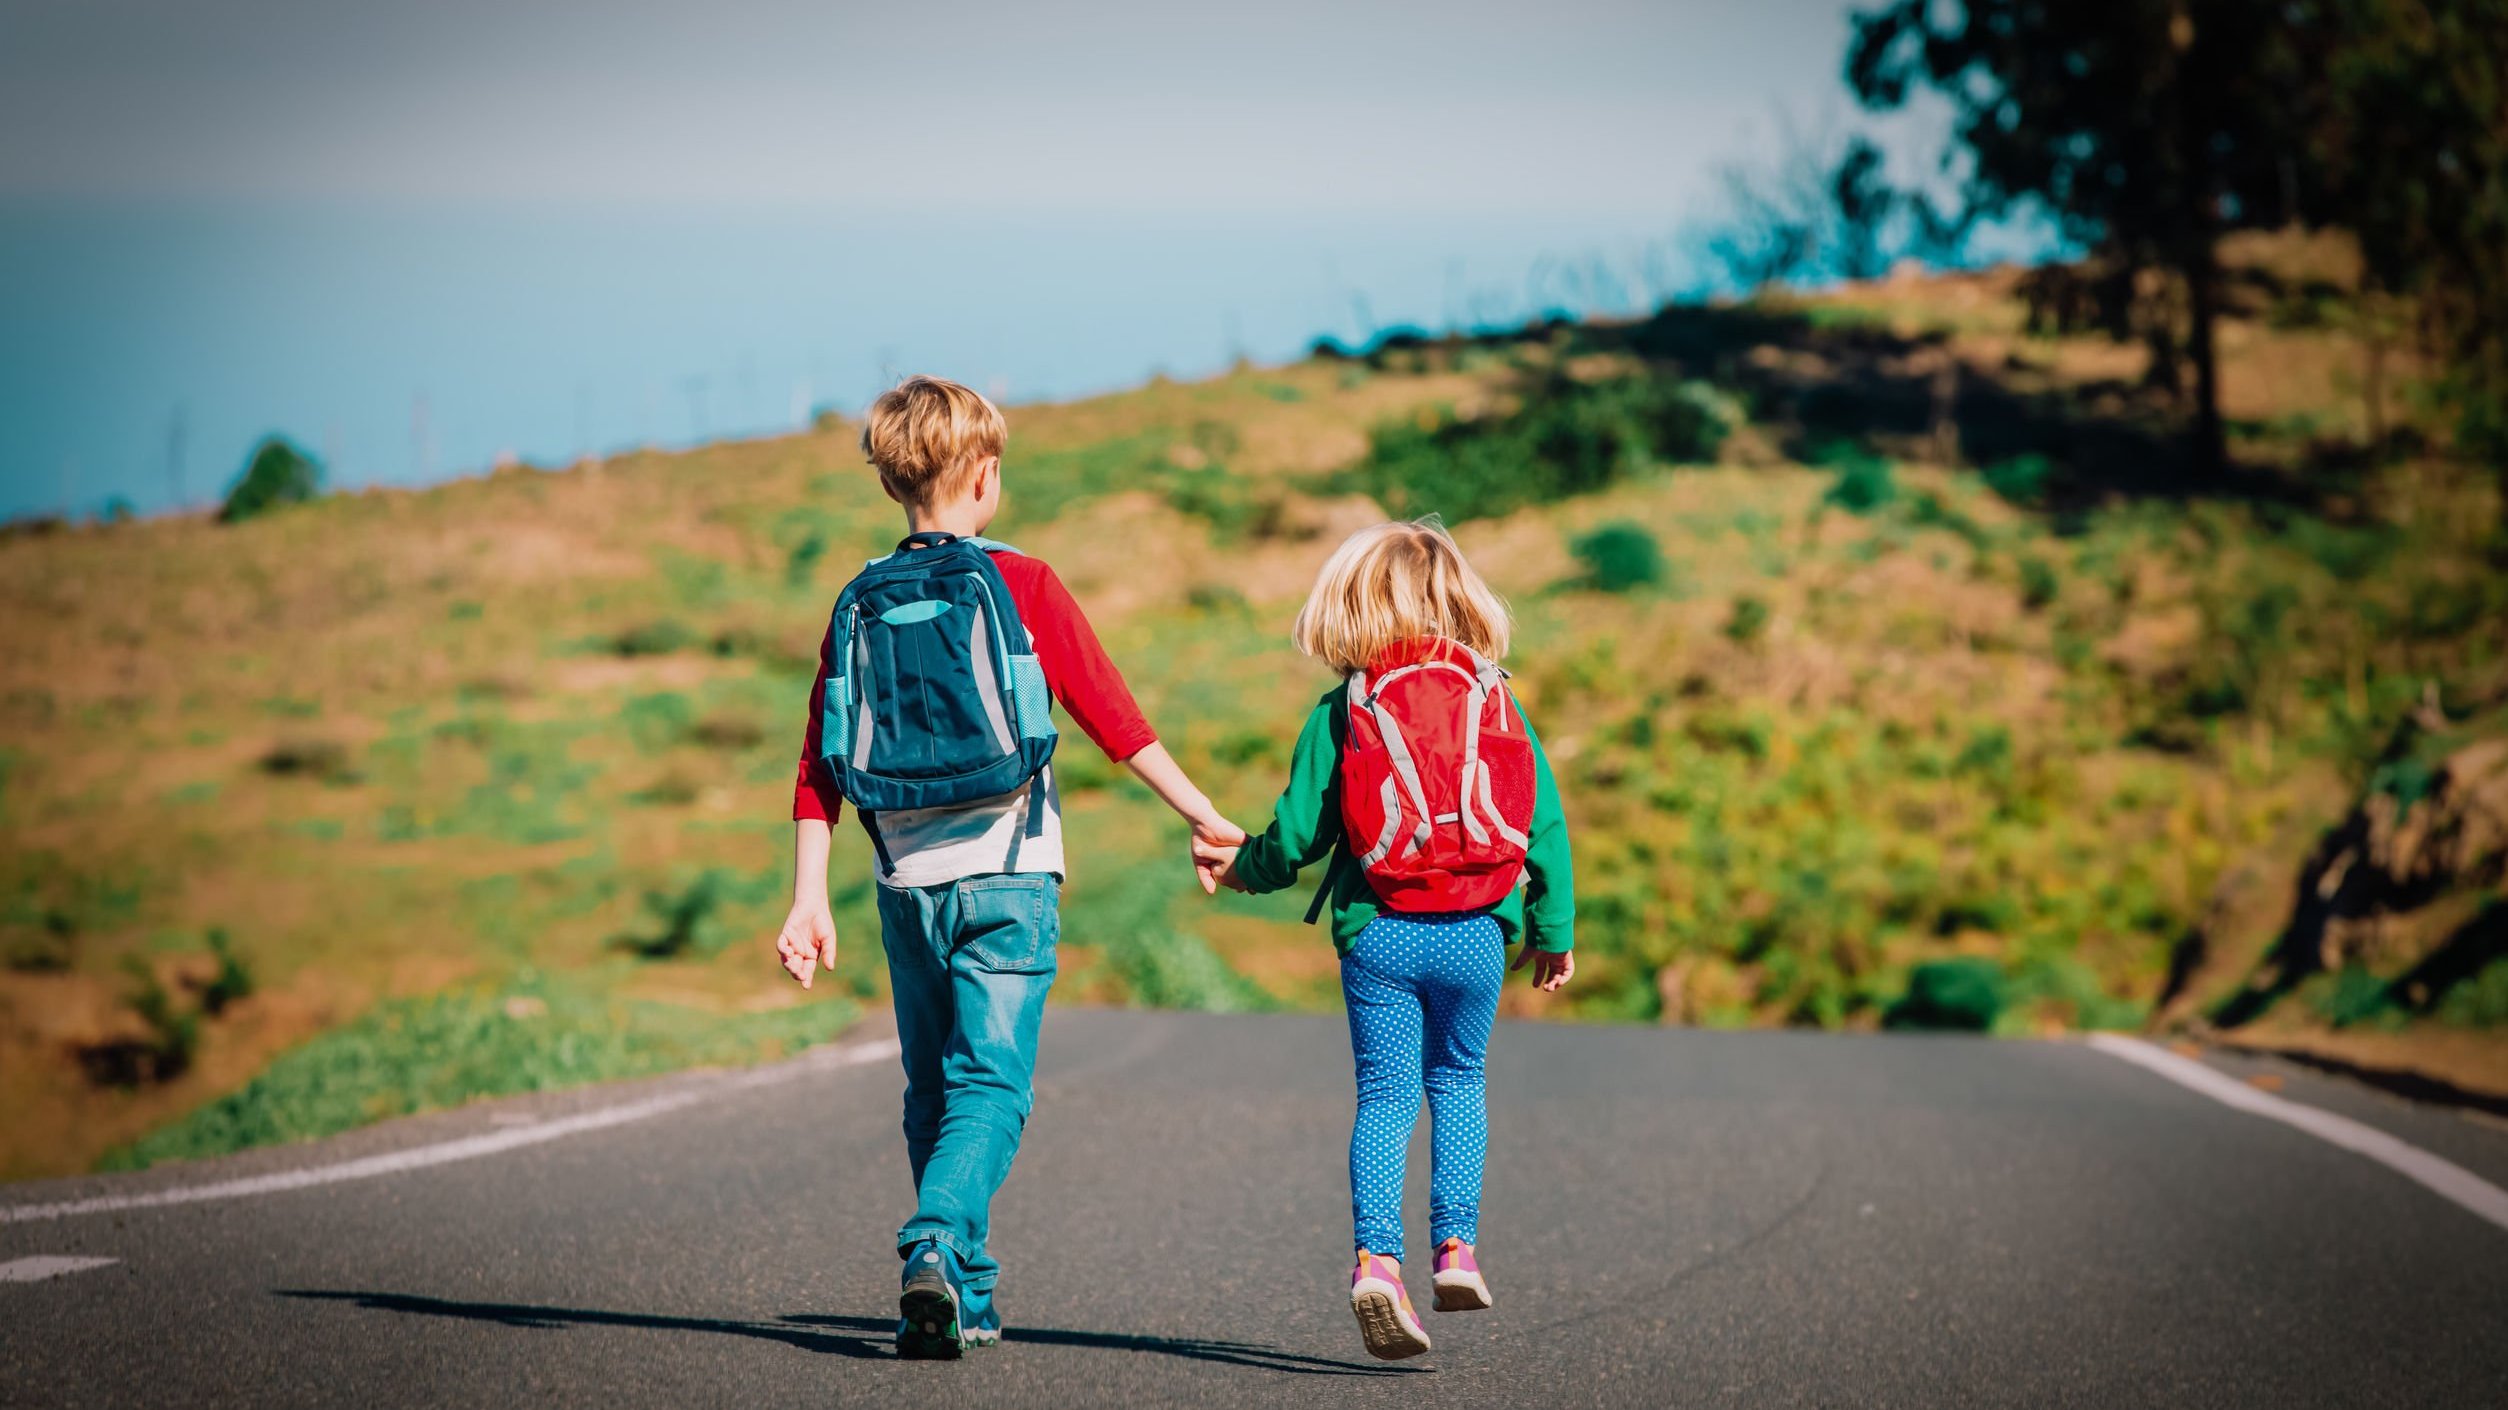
(1306, 827)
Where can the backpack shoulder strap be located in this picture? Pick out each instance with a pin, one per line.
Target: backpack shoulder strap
(1405, 768)
(1323, 888)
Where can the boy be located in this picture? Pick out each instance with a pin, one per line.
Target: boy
(969, 894)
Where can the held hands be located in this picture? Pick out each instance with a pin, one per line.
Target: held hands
(1215, 844)
(807, 940)
(1551, 970)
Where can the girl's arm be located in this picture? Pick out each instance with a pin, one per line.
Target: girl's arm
(1549, 871)
(1306, 823)
(1549, 883)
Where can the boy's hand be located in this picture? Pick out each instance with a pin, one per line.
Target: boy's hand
(1552, 969)
(807, 940)
(1215, 844)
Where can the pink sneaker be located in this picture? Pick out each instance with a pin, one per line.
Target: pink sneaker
(1385, 1318)
(1460, 1287)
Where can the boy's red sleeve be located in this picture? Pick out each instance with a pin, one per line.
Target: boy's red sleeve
(1077, 669)
(812, 795)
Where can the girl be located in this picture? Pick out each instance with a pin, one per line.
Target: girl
(1429, 793)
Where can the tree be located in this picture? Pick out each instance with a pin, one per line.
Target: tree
(2413, 142)
(278, 473)
(2145, 128)
(1820, 211)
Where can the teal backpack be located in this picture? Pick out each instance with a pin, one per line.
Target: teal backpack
(934, 694)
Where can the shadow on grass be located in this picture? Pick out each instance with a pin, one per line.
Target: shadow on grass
(862, 1338)
(1813, 383)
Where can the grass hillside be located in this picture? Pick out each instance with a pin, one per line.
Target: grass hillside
(1896, 669)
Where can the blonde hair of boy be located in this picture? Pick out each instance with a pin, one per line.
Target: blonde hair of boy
(1392, 583)
(926, 435)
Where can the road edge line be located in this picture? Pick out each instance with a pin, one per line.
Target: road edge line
(447, 1152)
(2442, 1177)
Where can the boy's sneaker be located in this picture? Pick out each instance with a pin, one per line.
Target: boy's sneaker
(928, 1324)
(980, 1329)
(1460, 1288)
(1385, 1318)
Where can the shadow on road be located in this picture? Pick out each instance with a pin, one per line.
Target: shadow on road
(872, 1338)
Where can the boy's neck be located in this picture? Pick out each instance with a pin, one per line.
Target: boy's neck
(964, 518)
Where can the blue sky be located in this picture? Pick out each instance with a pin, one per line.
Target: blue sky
(418, 236)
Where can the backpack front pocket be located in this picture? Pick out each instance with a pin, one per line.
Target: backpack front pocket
(836, 719)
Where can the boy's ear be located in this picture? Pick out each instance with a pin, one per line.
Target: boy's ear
(890, 491)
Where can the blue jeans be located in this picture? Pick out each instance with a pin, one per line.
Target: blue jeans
(1422, 992)
(968, 967)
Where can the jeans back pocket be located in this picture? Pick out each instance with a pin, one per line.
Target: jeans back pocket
(1011, 924)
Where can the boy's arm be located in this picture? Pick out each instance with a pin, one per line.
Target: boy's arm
(813, 797)
(809, 934)
(1078, 672)
(1549, 872)
(808, 938)
(1092, 692)
(1153, 765)
(1307, 821)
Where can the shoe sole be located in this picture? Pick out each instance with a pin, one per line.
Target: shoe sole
(930, 1322)
(1388, 1334)
(1463, 1292)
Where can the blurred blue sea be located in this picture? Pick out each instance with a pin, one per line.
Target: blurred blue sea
(143, 348)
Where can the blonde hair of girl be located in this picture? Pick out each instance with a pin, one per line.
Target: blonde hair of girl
(1391, 583)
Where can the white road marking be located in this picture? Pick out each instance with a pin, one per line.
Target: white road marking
(47, 1265)
(465, 1148)
(2443, 1177)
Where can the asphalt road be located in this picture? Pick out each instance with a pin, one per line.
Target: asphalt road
(1673, 1218)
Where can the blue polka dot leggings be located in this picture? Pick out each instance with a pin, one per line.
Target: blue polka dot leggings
(1422, 991)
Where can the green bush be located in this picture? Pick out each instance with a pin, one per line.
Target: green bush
(1865, 483)
(1621, 557)
(2038, 582)
(1928, 510)
(803, 561)
(1749, 619)
(1567, 438)
(233, 981)
(2480, 1001)
(686, 921)
(324, 759)
(163, 1051)
(1965, 995)
(277, 474)
(44, 944)
(2023, 479)
(2352, 996)
(659, 637)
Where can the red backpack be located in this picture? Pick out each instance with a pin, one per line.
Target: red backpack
(1436, 778)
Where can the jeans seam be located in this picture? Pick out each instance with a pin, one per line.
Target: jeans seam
(909, 1236)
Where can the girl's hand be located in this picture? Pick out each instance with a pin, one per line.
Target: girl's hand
(807, 940)
(1224, 871)
(1552, 969)
(1215, 844)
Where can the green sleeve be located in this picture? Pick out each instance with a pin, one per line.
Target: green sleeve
(1549, 874)
(1307, 821)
